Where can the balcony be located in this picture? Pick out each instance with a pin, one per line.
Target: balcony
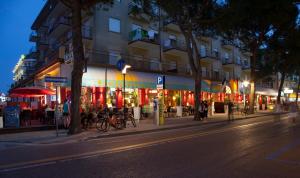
(171, 25)
(138, 63)
(141, 38)
(33, 53)
(135, 10)
(206, 75)
(246, 66)
(227, 61)
(209, 56)
(227, 44)
(60, 26)
(33, 37)
(217, 76)
(175, 47)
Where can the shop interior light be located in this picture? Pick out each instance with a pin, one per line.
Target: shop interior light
(246, 83)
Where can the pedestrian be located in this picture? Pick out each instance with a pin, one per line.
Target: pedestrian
(66, 114)
(205, 109)
(294, 111)
(230, 111)
(201, 110)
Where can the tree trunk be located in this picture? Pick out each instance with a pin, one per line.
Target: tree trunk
(197, 94)
(78, 65)
(280, 88)
(252, 80)
(195, 67)
(297, 92)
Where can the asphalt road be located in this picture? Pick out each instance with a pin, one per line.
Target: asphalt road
(261, 147)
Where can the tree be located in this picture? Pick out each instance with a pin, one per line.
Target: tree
(77, 8)
(194, 18)
(284, 52)
(253, 22)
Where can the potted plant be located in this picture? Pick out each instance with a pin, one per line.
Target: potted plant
(178, 107)
(136, 108)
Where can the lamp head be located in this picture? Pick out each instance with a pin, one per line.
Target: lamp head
(124, 70)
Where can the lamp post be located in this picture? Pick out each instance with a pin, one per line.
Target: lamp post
(124, 71)
(245, 84)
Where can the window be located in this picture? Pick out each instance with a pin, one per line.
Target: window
(227, 75)
(114, 25)
(202, 51)
(114, 57)
(204, 72)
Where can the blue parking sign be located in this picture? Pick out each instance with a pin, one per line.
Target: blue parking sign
(160, 84)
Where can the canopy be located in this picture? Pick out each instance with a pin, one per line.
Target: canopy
(31, 92)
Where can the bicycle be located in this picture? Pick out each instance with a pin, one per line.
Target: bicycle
(105, 121)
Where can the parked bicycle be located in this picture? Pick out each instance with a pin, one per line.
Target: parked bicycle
(116, 120)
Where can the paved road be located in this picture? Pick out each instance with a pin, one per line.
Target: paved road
(261, 147)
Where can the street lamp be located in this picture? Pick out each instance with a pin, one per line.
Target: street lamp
(124, 71)
(245, 84)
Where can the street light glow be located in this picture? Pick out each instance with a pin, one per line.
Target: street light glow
(124, 70)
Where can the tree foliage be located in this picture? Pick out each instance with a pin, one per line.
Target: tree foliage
(253, 22)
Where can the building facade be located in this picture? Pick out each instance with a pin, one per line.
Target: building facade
(151, 48)
(23, 69)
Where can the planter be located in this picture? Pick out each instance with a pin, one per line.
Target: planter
(179, 111)
(137, 114)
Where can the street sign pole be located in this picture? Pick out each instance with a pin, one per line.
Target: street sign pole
(56, 111)
(56, 81)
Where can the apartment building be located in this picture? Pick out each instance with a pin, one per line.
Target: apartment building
(24, 68)
(152, 48)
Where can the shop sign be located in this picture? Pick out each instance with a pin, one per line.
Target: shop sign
(160, 82)
(12, 116)
(56, 79)
(288, 91)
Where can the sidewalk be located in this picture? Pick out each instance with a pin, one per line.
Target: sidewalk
(145, 126)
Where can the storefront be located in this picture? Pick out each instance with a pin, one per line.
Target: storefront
(266, 98)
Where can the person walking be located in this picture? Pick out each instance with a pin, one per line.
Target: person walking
(230, 111)
(201, 110)
(66, 114)
(205, 109)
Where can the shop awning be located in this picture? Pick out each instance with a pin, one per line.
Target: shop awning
(266, 91)
(30, 92)
(95, 77)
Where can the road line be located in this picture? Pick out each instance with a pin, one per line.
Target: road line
(54, 160)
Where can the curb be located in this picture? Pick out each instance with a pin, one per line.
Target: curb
(29, 129)
(176, 127)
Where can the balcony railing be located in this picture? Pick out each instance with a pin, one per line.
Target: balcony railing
(33, 53)
(138, 63)
(61, 20)
(227, 60)
(33, 37)
(143, 35)
(174, 44)
(137, 9)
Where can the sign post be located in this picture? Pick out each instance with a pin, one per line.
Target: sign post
(160, 85)
(57, 81)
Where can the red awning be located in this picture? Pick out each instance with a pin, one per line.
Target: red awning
(31, 92)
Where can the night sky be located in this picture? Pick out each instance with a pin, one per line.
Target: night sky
(16, 18)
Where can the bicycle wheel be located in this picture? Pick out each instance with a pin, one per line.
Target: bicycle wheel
(105, 125)
(132, 120)
(99, 124)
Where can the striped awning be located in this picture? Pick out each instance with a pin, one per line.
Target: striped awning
(95, 77)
